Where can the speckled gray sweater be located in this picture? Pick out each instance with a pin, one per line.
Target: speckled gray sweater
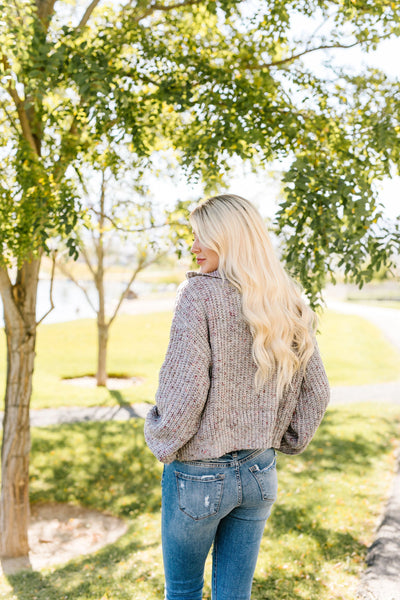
(206, 402)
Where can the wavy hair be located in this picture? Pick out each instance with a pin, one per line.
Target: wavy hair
(281, 323)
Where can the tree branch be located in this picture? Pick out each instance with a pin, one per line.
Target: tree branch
(53, 268)
(10, 306)
(125, 229)
(142, 264)
(69, 275)
(154, 7)
(87, 260)
(122, 296)
(300, 54)
(19, 105)
(5, 283)
(87, 14)
(45, 10)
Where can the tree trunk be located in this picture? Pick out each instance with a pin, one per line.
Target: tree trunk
(19, 301)
(102, 325)
(102, 334)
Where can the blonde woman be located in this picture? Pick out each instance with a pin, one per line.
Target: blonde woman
(242, 378)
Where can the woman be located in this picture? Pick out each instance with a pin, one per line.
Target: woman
(242, 378)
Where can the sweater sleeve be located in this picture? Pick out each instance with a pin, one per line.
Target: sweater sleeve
(184, 380)
(310, 407)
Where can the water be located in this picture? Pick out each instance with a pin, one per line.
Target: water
(70, 302)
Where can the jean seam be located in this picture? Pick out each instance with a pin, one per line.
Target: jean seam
(256, 469)
(239, 484)
(190, 477)
(215, 561)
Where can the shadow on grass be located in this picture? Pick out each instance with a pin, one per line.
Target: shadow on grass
(335, 449)
(332, 545)
(103, 465)
(313, 546)
(119, 398)
(119, 572)
(287, 586)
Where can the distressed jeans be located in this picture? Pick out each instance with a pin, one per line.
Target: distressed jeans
(225, 501)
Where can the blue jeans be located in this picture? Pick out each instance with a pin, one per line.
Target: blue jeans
(227, 501)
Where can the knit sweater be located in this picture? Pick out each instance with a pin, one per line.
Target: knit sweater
(207, 403)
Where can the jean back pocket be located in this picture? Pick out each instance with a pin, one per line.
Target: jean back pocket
(199, 496)
(267, 480)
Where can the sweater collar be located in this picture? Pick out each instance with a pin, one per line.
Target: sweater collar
(195, 273)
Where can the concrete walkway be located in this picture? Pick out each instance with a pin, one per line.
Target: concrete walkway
(57, 416)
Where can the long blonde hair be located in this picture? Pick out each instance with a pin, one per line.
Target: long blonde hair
(281, 323)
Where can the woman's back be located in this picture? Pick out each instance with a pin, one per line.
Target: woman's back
(207, 400)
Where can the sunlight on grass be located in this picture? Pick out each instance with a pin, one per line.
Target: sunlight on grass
(137, 348)
(355, 352)
(315, 540)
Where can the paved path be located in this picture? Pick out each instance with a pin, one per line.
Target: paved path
(57, 416)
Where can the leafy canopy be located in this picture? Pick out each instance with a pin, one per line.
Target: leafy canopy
(208, 80)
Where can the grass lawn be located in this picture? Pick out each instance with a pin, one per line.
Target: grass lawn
(137, 348)
(315, 540)
(354, 352)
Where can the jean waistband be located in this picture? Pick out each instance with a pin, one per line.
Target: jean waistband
(231, 457)
(238, 454)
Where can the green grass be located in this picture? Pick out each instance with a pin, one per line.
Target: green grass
(137, 347)
(354, 352)
(315, 541)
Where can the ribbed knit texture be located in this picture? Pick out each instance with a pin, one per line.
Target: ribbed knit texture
(207, 403)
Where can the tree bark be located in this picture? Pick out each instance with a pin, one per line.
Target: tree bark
(102, 326)
(102, 333)
(19, 302)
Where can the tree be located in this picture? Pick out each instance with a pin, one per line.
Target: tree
(212, 78)
(114, 220)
